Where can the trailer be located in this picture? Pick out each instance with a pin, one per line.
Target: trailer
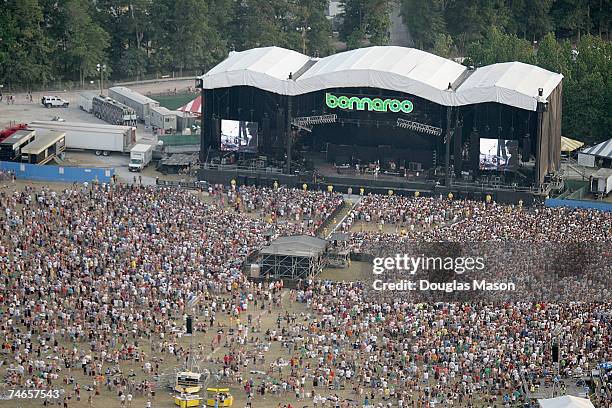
(86, 100)
(6, 132)
(101, 139)
(601, 182)
(163, 120)
(46, 147)
(140, 157)
(113, 112)
(10, 147)
(184, 120)
(140, 103)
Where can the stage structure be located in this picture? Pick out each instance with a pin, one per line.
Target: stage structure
(399, 109)
(293, 258)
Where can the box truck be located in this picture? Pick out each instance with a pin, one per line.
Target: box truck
(101, 139)
(140, 157)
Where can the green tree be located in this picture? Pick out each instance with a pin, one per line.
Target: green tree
(317, 39)
(443, 45)
(365, 21)
(499, 47)
(85, 42)
(468, 20)
(530, 19)
(585, 114)
(24, 49)
(190, 38)
(570, 17)
(220, 19)
(425, 20)
(131, 24)
(555, 56)
(133, 62)
(261, 23)
(589, 93)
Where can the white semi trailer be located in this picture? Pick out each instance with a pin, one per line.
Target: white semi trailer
(140, 103)
(101, 139)
(86, 100)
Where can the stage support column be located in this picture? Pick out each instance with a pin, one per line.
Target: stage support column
(204, 144)
(447, 143)
(289, 139)
(539, 166)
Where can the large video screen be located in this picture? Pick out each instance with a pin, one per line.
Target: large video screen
(239, 136)
(498, 154)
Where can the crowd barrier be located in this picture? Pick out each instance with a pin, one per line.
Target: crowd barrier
(50, 173)
(596, 205)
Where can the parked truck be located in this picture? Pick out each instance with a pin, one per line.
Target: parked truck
(101, 139)
(140, 103)
(140, 157)
(112, 111)
(54, 102)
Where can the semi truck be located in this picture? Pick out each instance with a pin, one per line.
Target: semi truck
(140, 103)
(140, 157)
(113, 112)
(101, 139)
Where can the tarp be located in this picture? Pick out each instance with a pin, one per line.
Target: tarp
(569, 145)
(566, 401)
(509, 83)
(194, 106)
(604, 149)
(406, 70)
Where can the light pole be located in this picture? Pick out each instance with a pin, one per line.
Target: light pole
(101, 69)
(303, 30)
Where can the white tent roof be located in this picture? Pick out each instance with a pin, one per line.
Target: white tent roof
(566, 401)
(265, 68)
(394, 68)
(510, 83)
(604, 149)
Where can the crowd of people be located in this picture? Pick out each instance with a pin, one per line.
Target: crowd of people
(437, 219)
(96, 281)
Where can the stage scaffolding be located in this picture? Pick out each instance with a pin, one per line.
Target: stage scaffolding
(293, 258)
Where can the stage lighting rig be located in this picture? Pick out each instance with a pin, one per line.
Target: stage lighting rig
(419, 127)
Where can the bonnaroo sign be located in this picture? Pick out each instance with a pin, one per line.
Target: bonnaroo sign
(377, 104)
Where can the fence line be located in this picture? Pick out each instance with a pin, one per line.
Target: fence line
(53, 173)
(561, 202)
(74, 86)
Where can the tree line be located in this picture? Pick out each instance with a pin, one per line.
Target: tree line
(48, 40)
(566, 36)
(42, 41)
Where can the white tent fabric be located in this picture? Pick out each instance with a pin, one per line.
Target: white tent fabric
(603, 149)
(566, 401)
(265, 68)
(394, 68)
(510, 83)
